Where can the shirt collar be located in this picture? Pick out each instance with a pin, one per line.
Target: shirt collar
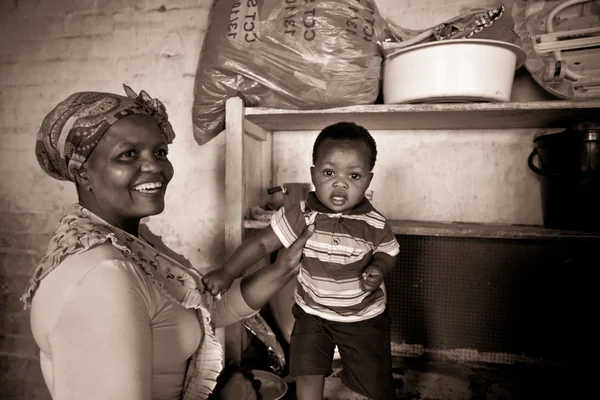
(363, 207)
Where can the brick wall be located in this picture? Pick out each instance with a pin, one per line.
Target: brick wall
(48, 50)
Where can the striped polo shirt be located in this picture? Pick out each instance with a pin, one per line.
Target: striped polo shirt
(335, 256)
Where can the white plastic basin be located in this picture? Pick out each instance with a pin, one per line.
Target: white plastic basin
(455, 70)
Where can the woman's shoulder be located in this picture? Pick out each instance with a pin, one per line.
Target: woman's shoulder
(98, 260)
(96, 254)
(100, 266)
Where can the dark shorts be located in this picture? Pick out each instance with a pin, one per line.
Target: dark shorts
(364, 348)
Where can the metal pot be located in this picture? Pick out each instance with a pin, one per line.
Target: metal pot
(569, 172)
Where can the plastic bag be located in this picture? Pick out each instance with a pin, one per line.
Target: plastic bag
(261, 329)
(293, 54)
(572, 74)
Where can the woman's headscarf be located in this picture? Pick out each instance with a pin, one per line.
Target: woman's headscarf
(74, 127)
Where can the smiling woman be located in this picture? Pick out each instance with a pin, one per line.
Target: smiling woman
(117, 314)
(126, 176)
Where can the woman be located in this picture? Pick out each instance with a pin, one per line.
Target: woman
(116, 314)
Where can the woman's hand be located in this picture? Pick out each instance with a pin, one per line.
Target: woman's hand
(258, 287)
(290, 258)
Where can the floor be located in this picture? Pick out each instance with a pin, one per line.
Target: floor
(419, 379)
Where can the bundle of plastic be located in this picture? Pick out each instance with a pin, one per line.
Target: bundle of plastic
(476, 23)
(293, 54)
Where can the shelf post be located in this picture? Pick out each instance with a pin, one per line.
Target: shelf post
(234, 174)
(234, 205)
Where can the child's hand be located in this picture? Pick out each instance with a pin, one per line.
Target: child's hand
(217, 281)
(372, 278)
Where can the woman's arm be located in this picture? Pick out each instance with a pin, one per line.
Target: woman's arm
(259, 287)
(253, 291)
(252, 251)
(249, 253)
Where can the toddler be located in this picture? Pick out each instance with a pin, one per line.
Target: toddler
(340, 296)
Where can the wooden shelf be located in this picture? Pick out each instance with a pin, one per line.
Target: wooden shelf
(254, 224)
(470, 230)
(249, 165)
(490, 231)
(540, 114)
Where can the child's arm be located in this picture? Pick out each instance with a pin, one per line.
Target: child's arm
(381, 265)
(384, 258)
(250, 252)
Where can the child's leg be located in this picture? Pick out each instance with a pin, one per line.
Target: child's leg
(311, 353)
(310, 387)
(366, 356)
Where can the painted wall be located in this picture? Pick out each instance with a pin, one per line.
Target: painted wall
(470, 176)
(50, 49)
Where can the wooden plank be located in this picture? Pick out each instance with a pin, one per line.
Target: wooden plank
(267, 167)
(234, 174)
(258, 155)
(470, 230)
(446, 116)
(255, 131)
(481, 230)
(234, 205)
(253, 174)
(255, 224)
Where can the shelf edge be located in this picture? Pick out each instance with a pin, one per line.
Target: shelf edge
(429, 107)
(469, 230)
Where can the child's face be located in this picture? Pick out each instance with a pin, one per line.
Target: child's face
(341, 174)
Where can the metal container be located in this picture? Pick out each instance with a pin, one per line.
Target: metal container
(569, 172)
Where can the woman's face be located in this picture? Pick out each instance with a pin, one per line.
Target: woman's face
(127, 172)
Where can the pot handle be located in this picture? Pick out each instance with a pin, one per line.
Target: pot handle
(541, 172)
(276, 189)
(533, 167)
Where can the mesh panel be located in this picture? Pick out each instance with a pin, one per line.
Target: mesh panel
(513, 296)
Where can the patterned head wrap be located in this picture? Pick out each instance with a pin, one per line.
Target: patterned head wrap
(74, 127)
